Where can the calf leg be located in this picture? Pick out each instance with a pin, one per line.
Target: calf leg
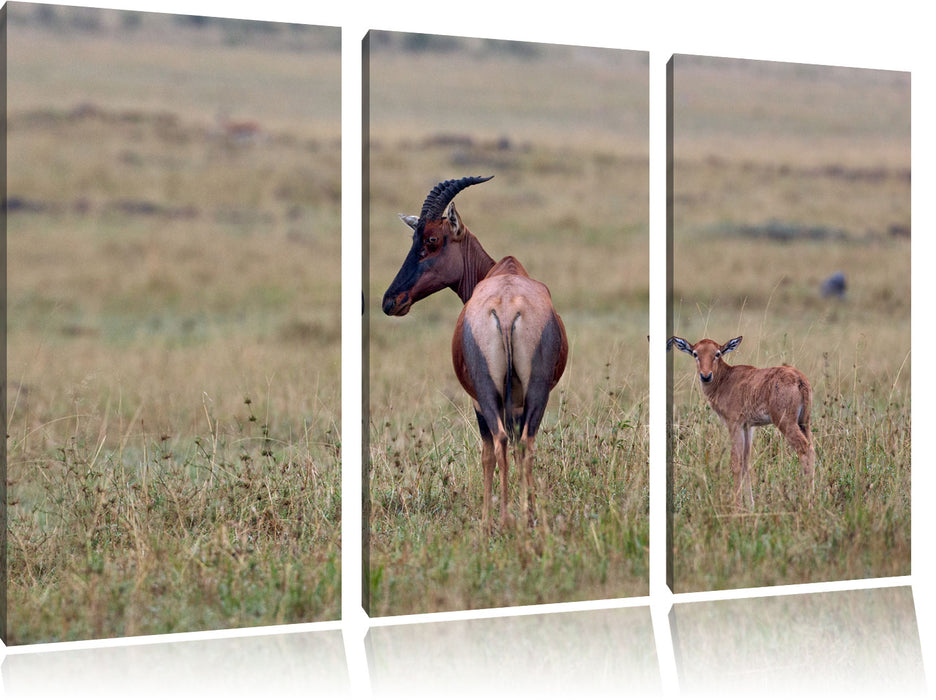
(808, 458)
(746, 468)
(799, 438)
(808, 462)
(738, 467)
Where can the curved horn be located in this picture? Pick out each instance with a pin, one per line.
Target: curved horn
(445, 192)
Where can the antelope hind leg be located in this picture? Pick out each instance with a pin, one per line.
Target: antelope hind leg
(525, 467)
(487, 466)
(802, 443)
(500, 455)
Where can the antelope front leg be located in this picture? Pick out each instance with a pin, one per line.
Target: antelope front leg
(746, 464)
(738, 466)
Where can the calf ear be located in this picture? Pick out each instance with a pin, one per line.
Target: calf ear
(731, 344)
(679, 343)
(410, 221)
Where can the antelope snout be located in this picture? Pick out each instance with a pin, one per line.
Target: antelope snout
(705, 378)
(396, 305)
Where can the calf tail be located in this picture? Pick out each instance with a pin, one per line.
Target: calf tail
(805, 408)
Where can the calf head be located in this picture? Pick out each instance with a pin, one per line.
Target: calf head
(707, 354)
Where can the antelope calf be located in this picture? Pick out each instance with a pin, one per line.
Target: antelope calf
(744, 397)
(509, 348)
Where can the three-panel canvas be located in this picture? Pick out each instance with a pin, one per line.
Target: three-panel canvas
(174, 332)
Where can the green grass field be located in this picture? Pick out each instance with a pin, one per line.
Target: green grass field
(784, 175)
(173, 325)
(564, 133)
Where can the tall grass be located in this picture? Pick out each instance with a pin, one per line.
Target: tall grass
(429, 551)
(760, 143)
(233, 527)
(569, 199)
(854, 525)
(173, 326)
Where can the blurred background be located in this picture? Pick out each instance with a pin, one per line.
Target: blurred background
(173, 242)
(564, 130)
(791, 227)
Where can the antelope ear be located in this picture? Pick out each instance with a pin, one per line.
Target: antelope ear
(456, 225)
(731, 344)
(679, 343)
(410, 221)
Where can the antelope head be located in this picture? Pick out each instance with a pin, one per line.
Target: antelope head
(436, 259)
(707, 354)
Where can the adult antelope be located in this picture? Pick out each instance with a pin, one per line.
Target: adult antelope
(745, 397)
(509, 347)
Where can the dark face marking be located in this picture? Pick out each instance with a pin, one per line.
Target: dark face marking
(424, 271)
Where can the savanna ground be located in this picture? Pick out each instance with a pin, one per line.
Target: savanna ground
(783, 175)
(564, 132)
(173, 325)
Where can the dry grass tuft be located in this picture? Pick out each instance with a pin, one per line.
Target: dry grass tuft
(173, 336)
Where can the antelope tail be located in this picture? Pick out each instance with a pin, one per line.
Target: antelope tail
(512, 420)
(804, 412)
(506, 334)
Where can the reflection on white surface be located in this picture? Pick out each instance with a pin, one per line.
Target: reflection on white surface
(851, 643)
(589, 654)
(297, 664)
(854, 643)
